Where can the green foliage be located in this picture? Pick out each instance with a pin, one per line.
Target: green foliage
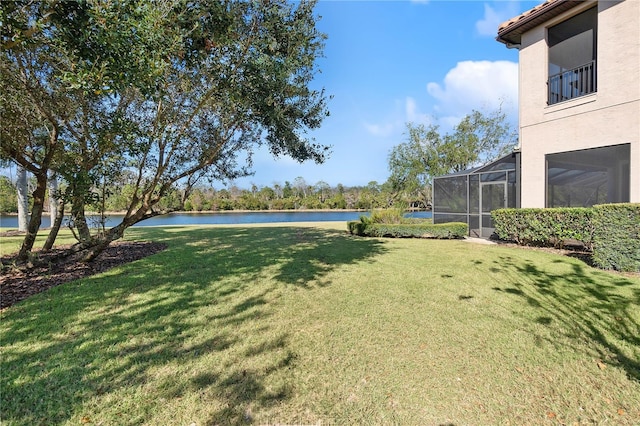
(319, 196)
(170, 201)
(358, 227)
(8, 196)
(337, 202)
(387, 225)
(611, 231)
(169, 91)
(387, 216)
(546, 227)
(477, 139)
(289, 203)
(616, 240)
(451, 230)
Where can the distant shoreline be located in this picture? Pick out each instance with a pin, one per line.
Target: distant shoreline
(120, 213)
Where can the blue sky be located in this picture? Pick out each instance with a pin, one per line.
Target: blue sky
(387, 63)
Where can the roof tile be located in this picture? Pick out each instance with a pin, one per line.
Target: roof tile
(526, 14)
(510, 32)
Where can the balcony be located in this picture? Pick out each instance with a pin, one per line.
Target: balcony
(572, 83)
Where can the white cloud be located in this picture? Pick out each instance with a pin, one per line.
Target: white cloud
(494, 16)
(404, 111)
(479, 85)
(413, 114)
(379, 130)
(484, 86)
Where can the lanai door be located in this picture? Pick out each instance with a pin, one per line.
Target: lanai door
(492, 197)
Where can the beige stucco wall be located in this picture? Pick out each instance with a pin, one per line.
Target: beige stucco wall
(609, 117)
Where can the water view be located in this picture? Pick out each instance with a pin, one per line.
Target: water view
(227, 218)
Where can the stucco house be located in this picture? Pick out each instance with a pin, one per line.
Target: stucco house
(579, 116)
(579, 101)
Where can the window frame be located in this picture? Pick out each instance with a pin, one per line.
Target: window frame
(581, 79)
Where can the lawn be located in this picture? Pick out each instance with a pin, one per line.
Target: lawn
(305, 324)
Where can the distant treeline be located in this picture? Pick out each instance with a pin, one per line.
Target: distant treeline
(288, 196)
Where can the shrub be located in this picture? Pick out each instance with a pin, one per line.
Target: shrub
(611, 231)
(366, 227)
(410, 230)
(357, 227)
(616, 240)
(392, 223)
(547, 227)
(387, 216)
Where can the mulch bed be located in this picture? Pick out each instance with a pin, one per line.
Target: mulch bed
(17, 284)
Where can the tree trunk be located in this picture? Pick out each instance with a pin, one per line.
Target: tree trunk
(53, 201)
(55, 227)
(79, 219)
(92, 247)
(184, 195)
(23, 199)
(113, 234)
(36, 217)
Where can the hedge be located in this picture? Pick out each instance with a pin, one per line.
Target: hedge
(409, 230)
(610, 231)
(547, 227)
(616, 240)
(356, 227)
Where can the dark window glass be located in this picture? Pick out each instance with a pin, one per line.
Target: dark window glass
(587, 177)
(572, 56)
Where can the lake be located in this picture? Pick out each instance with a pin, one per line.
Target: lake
(227, 218)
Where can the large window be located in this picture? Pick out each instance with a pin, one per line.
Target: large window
(572, 57)
(587, 177)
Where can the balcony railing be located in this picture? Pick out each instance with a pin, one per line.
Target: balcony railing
(573, 83)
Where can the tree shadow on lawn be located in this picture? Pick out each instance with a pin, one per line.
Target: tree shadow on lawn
(600, 306)
(211, 293)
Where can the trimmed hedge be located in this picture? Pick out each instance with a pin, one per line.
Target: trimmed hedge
(408, 230)
(616, 240)
(356, 227)
(610, 231)
(546, 227)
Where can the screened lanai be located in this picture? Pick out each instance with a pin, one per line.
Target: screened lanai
(589, 176)
(470, 196)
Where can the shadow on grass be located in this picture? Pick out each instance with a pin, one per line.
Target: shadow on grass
(586, 304)
(211, 292)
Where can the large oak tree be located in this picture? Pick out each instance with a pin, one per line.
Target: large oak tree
(170, 90)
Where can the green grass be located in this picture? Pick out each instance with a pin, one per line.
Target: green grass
(9, 245)
(306, 324)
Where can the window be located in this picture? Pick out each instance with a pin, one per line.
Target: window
(572, 57)
(590, 176)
